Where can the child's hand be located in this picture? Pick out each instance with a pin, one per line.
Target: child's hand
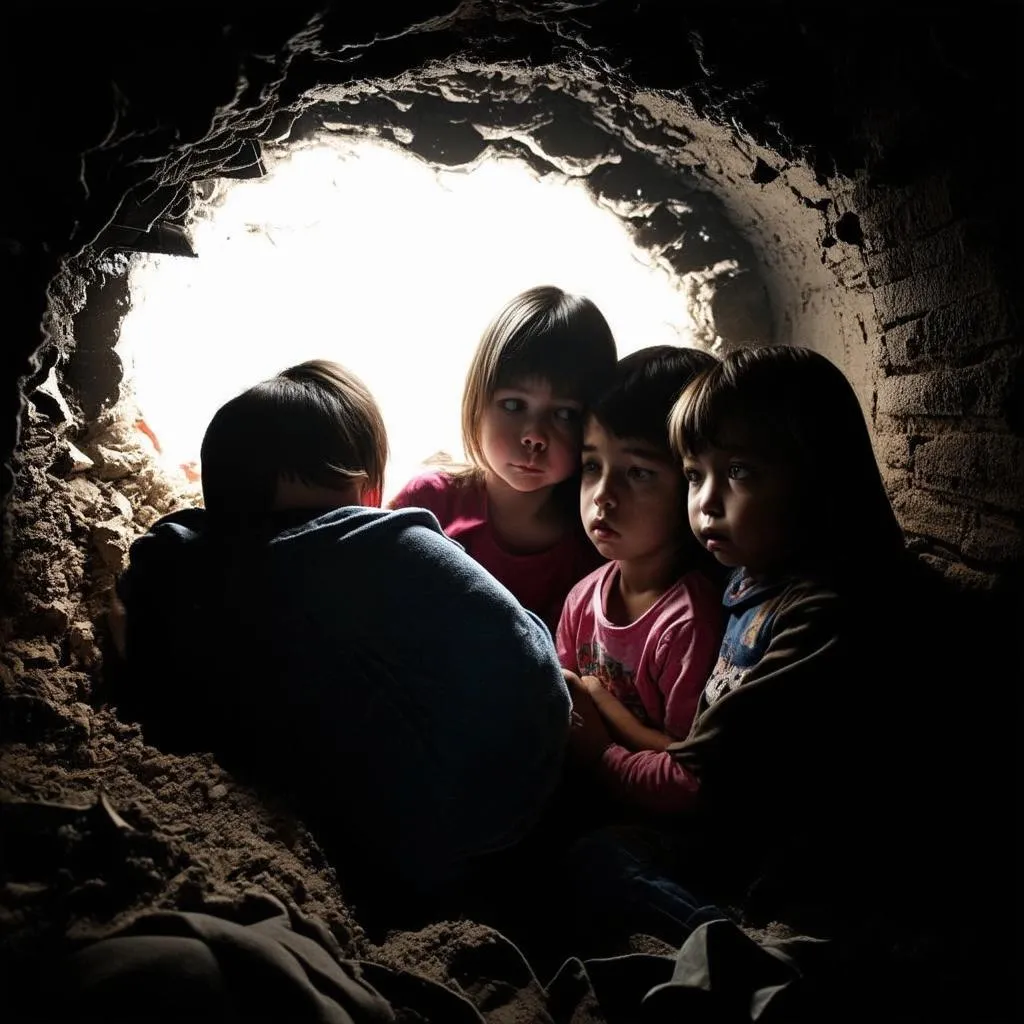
(588, 736)
(596, 689)
(621, 724)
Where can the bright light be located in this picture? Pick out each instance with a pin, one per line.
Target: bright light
(360, 253)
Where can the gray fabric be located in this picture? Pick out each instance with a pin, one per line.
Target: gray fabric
(176, 966)
(719, 974)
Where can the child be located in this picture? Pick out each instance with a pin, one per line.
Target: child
(791, 750)
(538, 364)
(355, 659)
(642, 630)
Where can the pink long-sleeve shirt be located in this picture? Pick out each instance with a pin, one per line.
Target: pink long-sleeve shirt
(657, 666)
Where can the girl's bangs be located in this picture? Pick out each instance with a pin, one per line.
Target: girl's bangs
(564, 360)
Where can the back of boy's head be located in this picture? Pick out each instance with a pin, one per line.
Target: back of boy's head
(792, 406)
(645, 387)
(315, 422)
(543, 333)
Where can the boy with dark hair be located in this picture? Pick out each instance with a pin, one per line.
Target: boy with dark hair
(643, 630)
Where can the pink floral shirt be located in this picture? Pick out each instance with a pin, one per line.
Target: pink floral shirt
(656, 666)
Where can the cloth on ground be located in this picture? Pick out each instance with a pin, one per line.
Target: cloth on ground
(176, 966)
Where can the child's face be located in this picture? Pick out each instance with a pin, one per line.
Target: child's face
(530, 436)
(740, 506)
(631, 497)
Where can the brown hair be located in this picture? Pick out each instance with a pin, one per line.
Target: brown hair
(639, 400)
(795, 407)
(315, 421)
(638, 404)
(542, 333)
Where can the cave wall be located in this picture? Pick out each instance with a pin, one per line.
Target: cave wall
(867, 154)
(827, 136)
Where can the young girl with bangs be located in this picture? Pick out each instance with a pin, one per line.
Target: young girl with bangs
(538, 365)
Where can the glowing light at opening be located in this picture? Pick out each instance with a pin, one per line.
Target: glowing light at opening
(360, 253)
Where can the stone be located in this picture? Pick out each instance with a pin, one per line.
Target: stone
(82, 644)
(51, 389)
(121, 503)
(994, 539)
(890, 217)
(893, 450)
(45, 618)
(931, 516)
(110, 541)
(928, 289)
(961, 575)
(983, 390)
(115, 465)
(85, 494)
(80, 462)
(988, 467)
(900, 261)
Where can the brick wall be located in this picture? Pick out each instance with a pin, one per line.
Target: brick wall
(949, 403)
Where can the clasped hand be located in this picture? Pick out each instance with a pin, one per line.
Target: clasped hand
(588, 735)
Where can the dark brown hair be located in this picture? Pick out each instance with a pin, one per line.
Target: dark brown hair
(795, 407)
(645, 387)
(637, 406)
(316, 422)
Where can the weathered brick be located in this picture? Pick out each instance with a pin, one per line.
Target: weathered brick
(951, 333)
(893, 450)
(903, 344)
(982, 390)
(927, 514)
(895, 480)
(936, 394)
(976, 320)
(901, 261)
(993, 539)
(877, 354)
(989, 467)
(892, 216)
(961, 575)
(938, 286)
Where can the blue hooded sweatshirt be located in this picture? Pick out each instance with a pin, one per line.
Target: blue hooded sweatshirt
(362, 663)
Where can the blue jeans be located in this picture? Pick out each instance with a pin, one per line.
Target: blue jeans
(622, 885)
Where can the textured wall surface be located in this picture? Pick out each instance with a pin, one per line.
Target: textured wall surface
(826, 144)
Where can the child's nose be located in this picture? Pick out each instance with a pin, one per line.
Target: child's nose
(709, 500)
(604, 495)
(534, 436)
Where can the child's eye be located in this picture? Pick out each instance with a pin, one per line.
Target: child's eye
(590, 466)
(640, 474)
(511, 404)
(567, 414)
(692, 475)
(739, 471)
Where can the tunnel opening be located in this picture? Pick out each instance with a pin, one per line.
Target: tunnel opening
(358, 252)
(886, 280)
